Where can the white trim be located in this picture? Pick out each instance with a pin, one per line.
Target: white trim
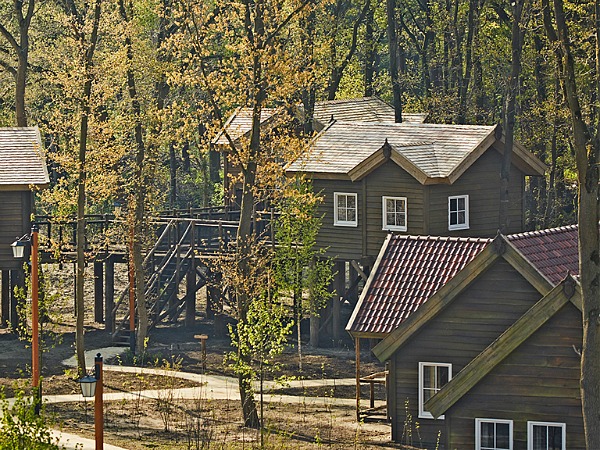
(422, 413)
(531, 424)
(478, 423)
(344, 223)
(384, 212)
(459, 226)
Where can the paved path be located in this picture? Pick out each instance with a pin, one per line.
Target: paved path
(213, 387)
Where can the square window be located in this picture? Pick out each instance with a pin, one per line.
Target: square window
(458, 212)
(493, 434)
(432, 378)
(546, 436)
(345, 210)
(394, 213)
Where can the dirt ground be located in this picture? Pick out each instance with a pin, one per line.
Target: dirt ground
(169, 423)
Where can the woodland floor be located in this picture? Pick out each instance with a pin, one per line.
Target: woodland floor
(173, 423)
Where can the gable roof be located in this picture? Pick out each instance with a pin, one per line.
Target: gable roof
(408, 271)
(500, 247)
(22, 163)
(432, 153)
(554, 251)
(240, 123)
(365, 109)
(498, 350)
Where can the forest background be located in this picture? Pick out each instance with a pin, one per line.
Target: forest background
(129, 93)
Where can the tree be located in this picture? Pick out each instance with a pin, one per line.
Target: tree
(19, 44)
(587, 157)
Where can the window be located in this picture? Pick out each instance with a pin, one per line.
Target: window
(345, 209)
(432, 377)
(493, 434)
(546, 436)
(458, 212)
(394, 213)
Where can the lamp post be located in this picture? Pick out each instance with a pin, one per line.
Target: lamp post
(92, 386)
(18, 248)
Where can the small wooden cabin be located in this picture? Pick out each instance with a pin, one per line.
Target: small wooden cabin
(22, 170)
(483, 342)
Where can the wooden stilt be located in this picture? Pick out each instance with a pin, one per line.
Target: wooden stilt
(17, 279)
(190, 295)
(5, 297)
(98, 292)
(339, 283)
(357, 360)
(109, 293)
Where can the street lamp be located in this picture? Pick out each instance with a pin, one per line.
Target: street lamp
(18, 248)
(92, 386)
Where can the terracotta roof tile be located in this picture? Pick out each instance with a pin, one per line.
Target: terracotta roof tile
(412, 269)
(554, 252)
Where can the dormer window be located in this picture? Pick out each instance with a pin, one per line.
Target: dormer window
(458, 212)
(345, 210)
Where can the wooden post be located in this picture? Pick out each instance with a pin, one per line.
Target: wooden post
(98, 292)
(5, 297)
(314, 330)
(190, 297)
(357, 359)
(99, 404)
(109, 292)
(340, 284)
(17, 279)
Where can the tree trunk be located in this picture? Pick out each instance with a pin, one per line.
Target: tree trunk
(511, 102)
(587, 157)
(394, 63)
(369, 52)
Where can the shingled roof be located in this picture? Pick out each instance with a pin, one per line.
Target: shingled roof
(22, 163)
(411, 269)
(554, 252)
(239, 124)
(432, 153)
(365, 109)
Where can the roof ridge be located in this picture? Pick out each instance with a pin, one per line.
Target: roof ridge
(542, 232)
(420, 237)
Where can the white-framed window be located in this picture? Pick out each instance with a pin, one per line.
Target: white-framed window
(546, 436)
(493, 434)
(345, 209)
(432, 378)
(458, 212)
(394, 213)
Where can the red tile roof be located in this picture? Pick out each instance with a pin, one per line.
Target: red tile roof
(553, 252)
(411, 269)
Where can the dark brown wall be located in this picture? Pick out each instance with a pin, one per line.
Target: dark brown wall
(474, 320)
(427, 206)
(539, 381)
(15, 213)
(482, 183)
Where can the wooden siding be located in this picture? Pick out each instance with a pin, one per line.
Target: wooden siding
(474, 320)
(366, 239)
(539, 382)
(481, 182)
(15, 211)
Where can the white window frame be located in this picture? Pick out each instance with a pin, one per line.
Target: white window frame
(387, 226)
(478, 423)
(344, 223)
(422, 413)
(459, 226)
(531, 424)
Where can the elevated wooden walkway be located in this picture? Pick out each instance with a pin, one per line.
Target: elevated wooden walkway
(184, 243)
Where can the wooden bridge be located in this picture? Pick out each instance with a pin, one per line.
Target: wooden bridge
(184, 243)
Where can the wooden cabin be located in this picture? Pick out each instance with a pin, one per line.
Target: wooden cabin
(490, 360)
(22, 170)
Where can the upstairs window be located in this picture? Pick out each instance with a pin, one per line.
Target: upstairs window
(432, 378)
(493, 434)
(546, 436)
(458, 212)
(345, 211)
(394, 213)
